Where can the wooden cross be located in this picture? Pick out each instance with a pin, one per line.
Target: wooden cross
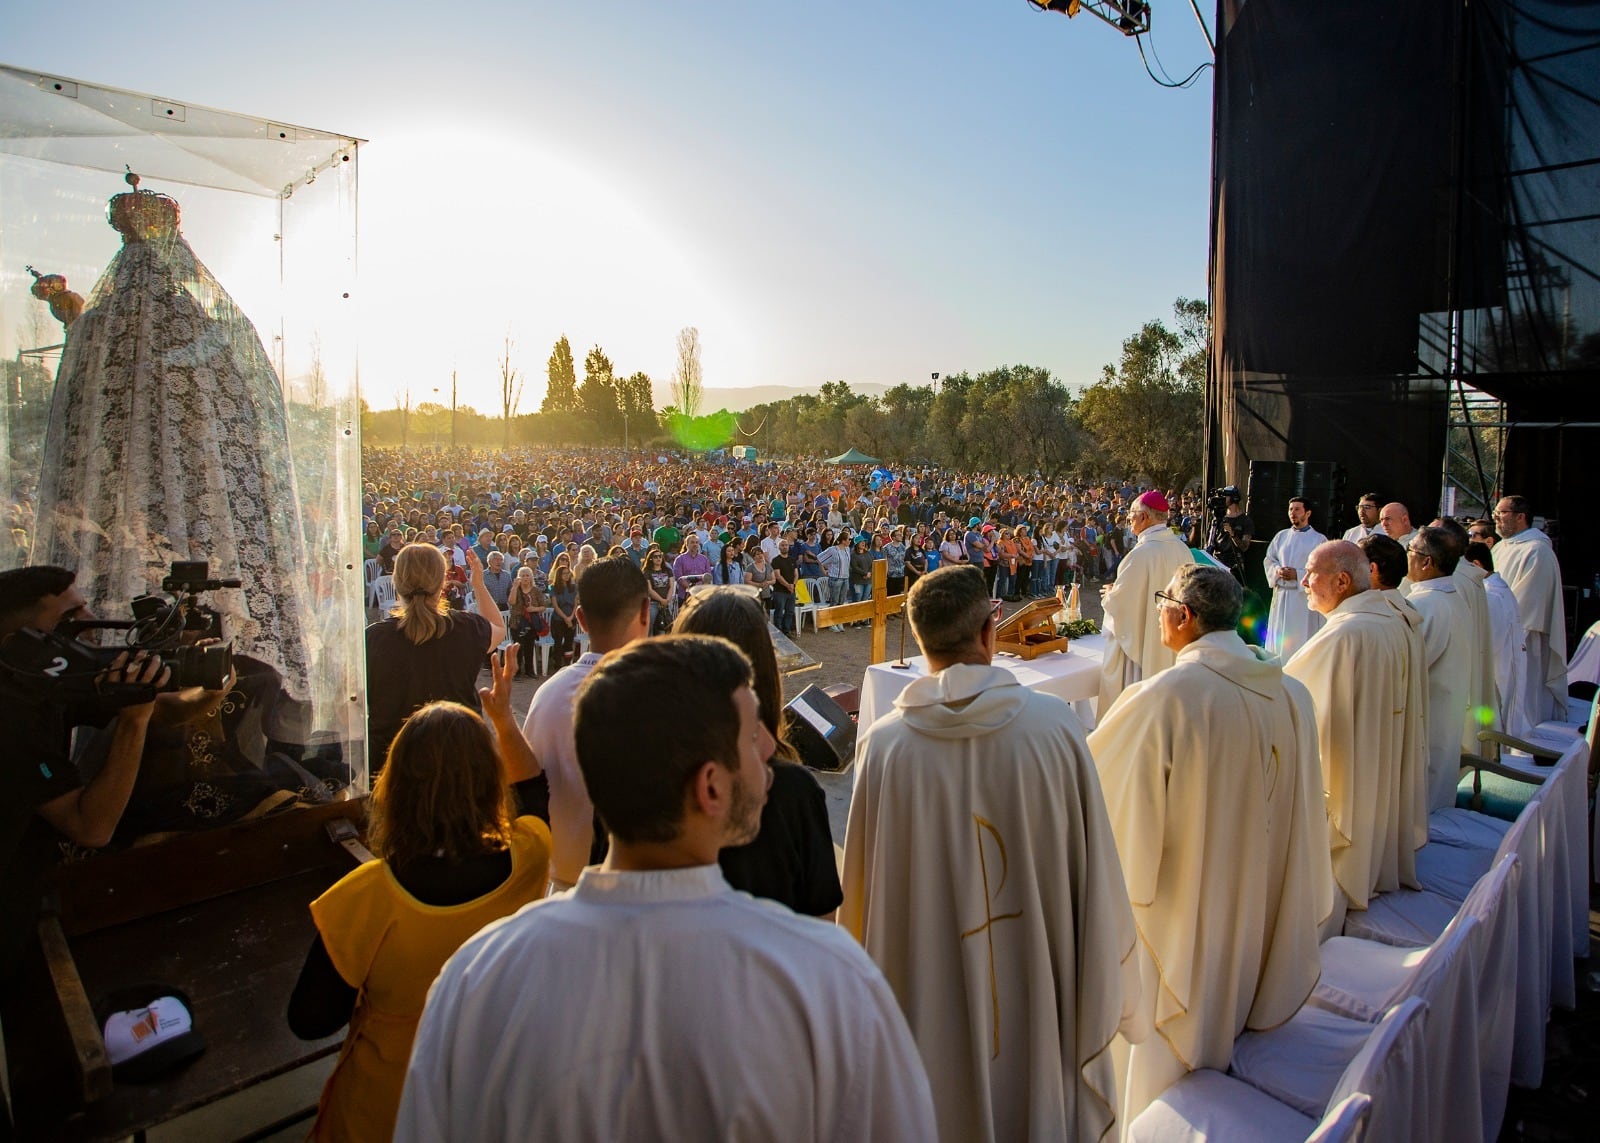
(878, 609)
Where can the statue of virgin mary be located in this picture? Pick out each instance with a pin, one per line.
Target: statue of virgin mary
(168, 441)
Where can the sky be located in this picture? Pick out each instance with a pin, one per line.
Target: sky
(866, 190)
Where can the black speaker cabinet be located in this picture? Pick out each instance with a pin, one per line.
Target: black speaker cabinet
(1272, 484)
(821, 730)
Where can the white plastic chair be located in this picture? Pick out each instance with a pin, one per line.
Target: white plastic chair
(383, 594)
(373, 568)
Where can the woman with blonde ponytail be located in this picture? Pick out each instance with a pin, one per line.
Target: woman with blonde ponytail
(424, 652)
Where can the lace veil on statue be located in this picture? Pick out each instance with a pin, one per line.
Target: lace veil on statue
(168, 441)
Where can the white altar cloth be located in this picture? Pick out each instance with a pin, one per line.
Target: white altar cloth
(1073, 676)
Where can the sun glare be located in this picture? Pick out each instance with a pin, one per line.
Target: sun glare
(466, 238)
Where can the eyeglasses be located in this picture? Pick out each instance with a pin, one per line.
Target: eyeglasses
(1420, 554)
(1165, 600)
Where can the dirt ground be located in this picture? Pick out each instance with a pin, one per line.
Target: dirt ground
(842, 657)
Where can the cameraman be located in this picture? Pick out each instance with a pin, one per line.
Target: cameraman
(42, 797)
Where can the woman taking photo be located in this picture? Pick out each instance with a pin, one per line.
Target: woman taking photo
(425, 652)
(526, 605)
(451, 859)
(563, 612)
(791, 859)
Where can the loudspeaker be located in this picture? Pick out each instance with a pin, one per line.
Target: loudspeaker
(1274, 482)
(821, 731)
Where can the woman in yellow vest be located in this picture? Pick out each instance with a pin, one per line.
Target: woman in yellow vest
(451, 859)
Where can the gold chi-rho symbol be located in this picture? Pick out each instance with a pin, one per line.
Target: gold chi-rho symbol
(979, 824)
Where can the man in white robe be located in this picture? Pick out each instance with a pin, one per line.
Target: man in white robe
(1482, 713)
(1365, 677)
(1367, 510)
(1133, 637)
(1510, 644)
(1395, 520)
(1290, 621)
(1212, 781)
(1447, 635)
(653, 1002)
(981, 874)
(1527, 562)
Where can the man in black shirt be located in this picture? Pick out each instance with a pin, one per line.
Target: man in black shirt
(783, 577)
(42, 797)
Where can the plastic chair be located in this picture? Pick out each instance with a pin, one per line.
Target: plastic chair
(383, 594)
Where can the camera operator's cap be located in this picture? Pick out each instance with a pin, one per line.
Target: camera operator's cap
(148, 1030)
(1154, 501)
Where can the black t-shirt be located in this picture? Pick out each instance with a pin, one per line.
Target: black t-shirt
(784, 566)
(791, 860)
(403, 676)
(36, 769)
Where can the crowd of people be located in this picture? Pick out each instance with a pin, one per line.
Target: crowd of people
(799, 531)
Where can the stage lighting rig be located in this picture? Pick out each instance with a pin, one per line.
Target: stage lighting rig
(1130, 17)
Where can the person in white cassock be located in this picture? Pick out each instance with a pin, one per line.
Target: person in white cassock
(981, 874)
(1212, 782)
(1482, 713)
(1510, 643)
(1395, 521)
(1367, 510)
(1364, 672)
(1527, 562)
(1447, 634)
(653, 1002)
(1133, 637)
(1290, 621)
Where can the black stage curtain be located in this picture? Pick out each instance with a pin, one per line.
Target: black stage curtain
(1404, 196)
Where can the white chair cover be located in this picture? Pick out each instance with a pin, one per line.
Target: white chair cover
(1364, 978)
(1452, 870)
(1466, 828)
(1443, 979)
(1387, 1070)
(1207, 1105)
(1584, 666)
(1345, 1123)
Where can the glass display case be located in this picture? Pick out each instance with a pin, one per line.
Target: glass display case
(180, 427)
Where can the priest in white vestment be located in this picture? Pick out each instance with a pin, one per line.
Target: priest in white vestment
(1482, 713)
(1510, 645)
(1365, 677)
(981, 874)
(653, 1002)
(1527, 562)
(1367, 510)
(1447, 635)
(1133, 637)
(1212, 781)
(1290, 621)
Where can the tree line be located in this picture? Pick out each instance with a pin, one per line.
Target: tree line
(1141, 417)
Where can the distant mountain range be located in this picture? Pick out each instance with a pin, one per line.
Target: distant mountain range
(738, 400)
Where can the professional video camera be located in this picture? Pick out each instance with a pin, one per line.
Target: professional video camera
(182, 630)
(1221, 541)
